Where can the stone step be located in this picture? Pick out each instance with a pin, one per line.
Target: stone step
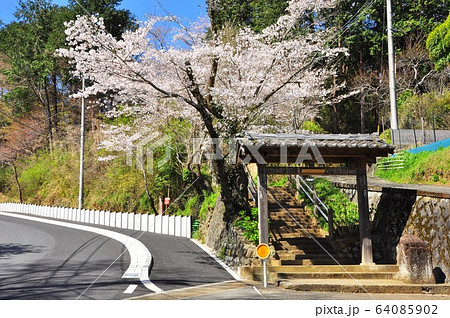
(293, 226)
(293, 219)
(320, 272)
(291, 229)
(286, 250)
(336, 268)
(336, 275)
(309, 261)
(294, 206)
(295, 234)
(302, 241)
(301, 254)
(372, 286)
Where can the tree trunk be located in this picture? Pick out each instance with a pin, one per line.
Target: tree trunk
(16, 179)
(363, 111)
(55, 101)
(229, 179)
(144, 175)
(335, 119)
(49, 120)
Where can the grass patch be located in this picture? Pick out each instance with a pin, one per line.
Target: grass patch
(208, 204)
(431, 167)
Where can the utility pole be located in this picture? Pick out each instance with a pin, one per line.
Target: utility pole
(391, 55)
(80, 192)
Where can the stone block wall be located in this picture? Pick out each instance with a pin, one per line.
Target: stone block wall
(430, 220)
(227, 241)
(395, 212)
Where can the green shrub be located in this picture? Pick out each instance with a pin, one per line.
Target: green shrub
(208, 203)
(426, 106)
(345, 212)
(189, 207)
(5, 175)
(249, 223)
(313, 127)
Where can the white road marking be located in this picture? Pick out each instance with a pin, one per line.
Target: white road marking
(139, 254)
(130, 289)
(256, 290)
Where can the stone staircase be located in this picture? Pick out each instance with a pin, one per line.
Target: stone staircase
(296, 235)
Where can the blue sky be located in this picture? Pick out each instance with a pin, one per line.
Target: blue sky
(188, 9)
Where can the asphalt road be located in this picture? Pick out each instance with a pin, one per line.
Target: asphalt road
(43, 261)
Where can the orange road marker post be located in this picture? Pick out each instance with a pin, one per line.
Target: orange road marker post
(263, 252)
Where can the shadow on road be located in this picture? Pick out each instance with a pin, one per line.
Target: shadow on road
(13, 249)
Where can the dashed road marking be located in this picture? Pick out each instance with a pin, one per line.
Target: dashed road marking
(130, 289)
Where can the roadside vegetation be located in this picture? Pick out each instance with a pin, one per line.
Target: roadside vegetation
(430, 167)
(248, 223)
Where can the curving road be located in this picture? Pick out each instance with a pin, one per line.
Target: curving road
(44, 261)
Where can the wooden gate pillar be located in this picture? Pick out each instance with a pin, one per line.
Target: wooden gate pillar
(363, 211)
(263, 210)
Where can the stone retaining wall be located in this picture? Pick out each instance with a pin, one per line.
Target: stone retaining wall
(395, 212)
(430, 220)
(227, 241)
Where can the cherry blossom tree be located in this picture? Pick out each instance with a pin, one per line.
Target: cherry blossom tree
(227, 83)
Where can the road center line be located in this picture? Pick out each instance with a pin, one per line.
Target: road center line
(139, 254)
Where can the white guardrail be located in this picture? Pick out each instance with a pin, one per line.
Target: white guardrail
(165, 224)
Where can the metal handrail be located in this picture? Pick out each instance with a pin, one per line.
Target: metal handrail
(312, 197)
(251, 185)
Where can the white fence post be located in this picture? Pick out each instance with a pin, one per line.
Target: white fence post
(165, 224)
(158, 224)
(151, 223)
(183, 227)
(112, 219)
(130, 221)
(137, 222)
(171, 225)
(124, 220)
(178, 225)
(107, 218)
(96, 217)
(144, 222)
(188, 226)
(102, 218)
(119, 219)
(91, 217)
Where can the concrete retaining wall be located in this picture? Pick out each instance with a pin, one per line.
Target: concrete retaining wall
(170, 225)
